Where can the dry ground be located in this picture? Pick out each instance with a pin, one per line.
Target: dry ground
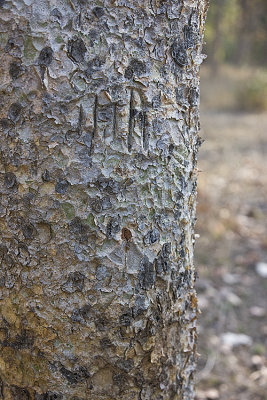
(232, 223)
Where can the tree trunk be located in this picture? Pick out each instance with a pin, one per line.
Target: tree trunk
(216, 43)
(99, 136)
(246, 31)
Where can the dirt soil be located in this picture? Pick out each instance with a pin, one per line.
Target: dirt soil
(231, 255)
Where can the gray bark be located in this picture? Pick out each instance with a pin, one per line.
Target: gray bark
(99, 136)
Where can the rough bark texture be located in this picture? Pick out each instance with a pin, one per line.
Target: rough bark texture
(99, 135)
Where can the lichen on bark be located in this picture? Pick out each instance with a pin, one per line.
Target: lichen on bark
(99, 137)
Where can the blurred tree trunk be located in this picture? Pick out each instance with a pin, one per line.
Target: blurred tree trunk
(99, 136)
(246, 30)
(217, 40)
(251, 43)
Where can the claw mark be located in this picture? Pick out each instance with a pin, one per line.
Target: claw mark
(107, 116)
(80, 19)
(114, 119)
(95, 124)
(144, 133)
(152, 7)
(131, 123)
(142, 116)
(81, 119)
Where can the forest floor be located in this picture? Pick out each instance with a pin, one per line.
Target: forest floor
(231, 252)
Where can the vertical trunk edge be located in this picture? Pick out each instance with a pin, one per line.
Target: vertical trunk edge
(99, 136)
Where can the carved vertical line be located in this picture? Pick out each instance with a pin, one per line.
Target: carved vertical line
(95, 124)
(131, 123)
(144, 131)
(114, 120)
(80, 119)
(104, 130)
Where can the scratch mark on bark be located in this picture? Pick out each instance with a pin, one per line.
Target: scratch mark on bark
(114, 120)
(95, 124)
(131, 123)
(81, 119)
(144, 132)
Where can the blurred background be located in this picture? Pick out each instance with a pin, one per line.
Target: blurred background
(231, 252)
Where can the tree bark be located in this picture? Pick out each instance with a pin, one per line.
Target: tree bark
(99, 137)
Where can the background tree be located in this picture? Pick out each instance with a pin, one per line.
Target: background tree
(99, 136)
(217, 35)
(236, 32)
